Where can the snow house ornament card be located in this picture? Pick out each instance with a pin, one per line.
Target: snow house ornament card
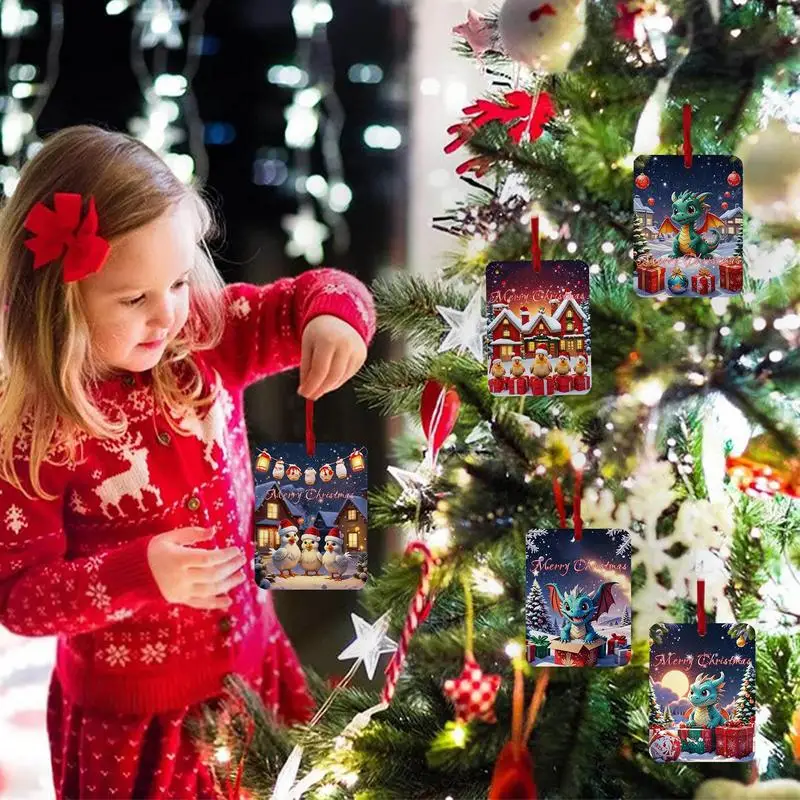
(688, 231)
(702, 692)
(578, 598)
(538, 329)
(311, 517)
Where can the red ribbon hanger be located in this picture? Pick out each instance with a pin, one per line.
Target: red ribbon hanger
(311, 440)
(701, 607)
(687, 136)
(536, 251)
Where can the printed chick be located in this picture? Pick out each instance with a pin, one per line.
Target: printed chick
(332, 559)
(310, 558)
(287, 556)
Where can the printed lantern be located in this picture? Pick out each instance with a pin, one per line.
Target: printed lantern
(326, 473)
(724, 205)
(279, 470)
(642, 181)
(310, 476)
(734, 179)
(356, 461)
(651, 201)
(727, 194)
(263, 461)
(293, 472)
(341, 470)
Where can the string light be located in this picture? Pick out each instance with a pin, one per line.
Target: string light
(29, 86)
(514, 650)
(169, 117)
(314, 114)
(759, 323)
(458, 734)
(486, 582)
(222, 754)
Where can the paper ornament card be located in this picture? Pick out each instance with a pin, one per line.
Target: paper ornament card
(538, 328)
(702, 692)
(311, 516)
(688, 226)
(578, 598)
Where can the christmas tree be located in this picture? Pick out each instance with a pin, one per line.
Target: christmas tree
(626, 617)
(655, 715)
(668, 718)
(537, 617)
(745, 708)
(677, 387)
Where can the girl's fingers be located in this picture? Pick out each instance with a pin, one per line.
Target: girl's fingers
(306, 359)
(209, 603)
(199, 559)
(318, 369)
(337, 373)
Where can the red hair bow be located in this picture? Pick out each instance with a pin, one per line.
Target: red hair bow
(60, 233)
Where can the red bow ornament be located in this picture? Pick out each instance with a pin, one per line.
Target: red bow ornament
(60, 234)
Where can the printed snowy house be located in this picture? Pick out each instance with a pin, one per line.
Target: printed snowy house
(324, 520)
(352, 523)
(645, 216)
(577, 653)
(733, 219)
(271, 508)
(560, 332)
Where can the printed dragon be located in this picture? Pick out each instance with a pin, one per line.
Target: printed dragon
(687, 209)
(704, 696)
(579, 608)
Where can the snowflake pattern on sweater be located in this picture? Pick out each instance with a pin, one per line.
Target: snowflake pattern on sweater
(77, 566)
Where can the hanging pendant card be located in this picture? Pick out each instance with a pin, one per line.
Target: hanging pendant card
(311, 516)
(688, 227)
(538, 328)
(702, 692)
(578, 598)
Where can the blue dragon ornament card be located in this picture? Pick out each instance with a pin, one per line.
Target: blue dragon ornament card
(310, 516)
(688, 226)
(702, 692)
(578, 598)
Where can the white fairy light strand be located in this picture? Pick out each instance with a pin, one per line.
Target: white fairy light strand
(25, 96)
(168, 96)
(304, 120)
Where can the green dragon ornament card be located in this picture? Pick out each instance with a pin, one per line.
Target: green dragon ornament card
(702, 702)
(688, 226)
(578, 598)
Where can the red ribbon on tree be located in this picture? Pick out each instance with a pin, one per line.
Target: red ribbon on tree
(60, 234)
(521, 111)
(438, 413)
(701, 607)
(687, 136)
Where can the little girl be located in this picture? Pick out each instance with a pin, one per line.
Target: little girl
(126, 490)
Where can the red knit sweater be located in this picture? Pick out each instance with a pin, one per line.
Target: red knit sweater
(77, 566)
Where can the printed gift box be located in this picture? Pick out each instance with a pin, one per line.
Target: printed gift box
(538, 647)
(697, 740)
(623, 654)
(734, 739)
(650, 275)
(616, 640)
(704, 282)
(731, 274)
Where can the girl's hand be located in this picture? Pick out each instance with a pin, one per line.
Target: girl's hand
(331, 353)
(191, 576)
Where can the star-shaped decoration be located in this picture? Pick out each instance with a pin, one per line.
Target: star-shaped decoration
(466, 327)
(160, 20)
(306, 235)
(472, 693)
(479, 33)
(370, 643)
(416, 485)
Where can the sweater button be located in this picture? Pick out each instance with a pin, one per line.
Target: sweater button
(163, 437)
(193, 503)
(224, 624)
(129, 380)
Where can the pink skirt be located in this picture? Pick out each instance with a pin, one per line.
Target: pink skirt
(95, 755)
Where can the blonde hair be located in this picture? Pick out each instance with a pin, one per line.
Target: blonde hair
(46, 357)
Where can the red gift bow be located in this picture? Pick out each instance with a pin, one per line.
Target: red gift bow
(62, 230)
(519, 109)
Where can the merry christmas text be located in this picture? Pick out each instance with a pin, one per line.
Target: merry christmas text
(701, 660)
(543, 564)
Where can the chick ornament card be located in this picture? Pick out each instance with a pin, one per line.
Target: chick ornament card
(702, 692)
(578, 598)
(539, 334)
(688, 236)
(311, 516)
